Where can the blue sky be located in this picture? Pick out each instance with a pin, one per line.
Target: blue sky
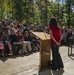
(61, 1)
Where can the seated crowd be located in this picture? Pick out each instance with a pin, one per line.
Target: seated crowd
(17, 38)
(67, 36)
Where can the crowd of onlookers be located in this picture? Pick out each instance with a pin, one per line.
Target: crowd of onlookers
(67, 36)
(17, 38)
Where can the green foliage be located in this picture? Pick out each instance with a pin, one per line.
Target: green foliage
(38, 13)
(69, 12)
(18, 12)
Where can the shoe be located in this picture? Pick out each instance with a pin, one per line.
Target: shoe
(61, 69)
(55, 69)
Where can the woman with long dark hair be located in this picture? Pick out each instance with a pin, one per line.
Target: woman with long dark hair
(55, 39)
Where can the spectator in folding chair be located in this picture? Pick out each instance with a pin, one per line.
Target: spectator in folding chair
(5, 42)
(69, 34)
(64, 38)
(14, 39)
(25, 28)
(34, 42)
(73, 33)
(1, 47)
(27, 43)
(1, 44)
(20, 39)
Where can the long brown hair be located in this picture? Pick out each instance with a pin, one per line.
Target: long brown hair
(53, 21)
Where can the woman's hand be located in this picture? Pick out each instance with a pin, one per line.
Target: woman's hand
(58, 43)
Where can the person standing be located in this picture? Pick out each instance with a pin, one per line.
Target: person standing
(55, 40)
